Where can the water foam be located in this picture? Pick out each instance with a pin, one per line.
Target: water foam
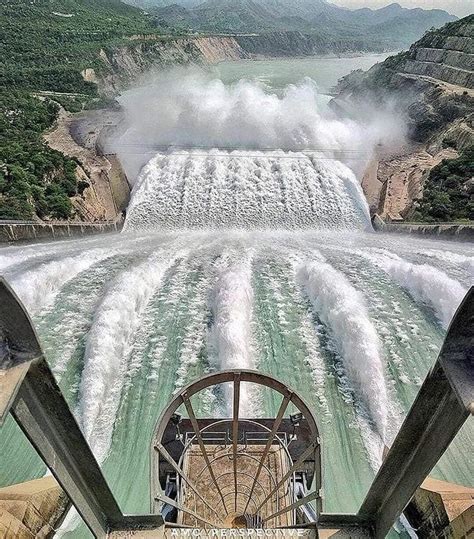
(39, 287)
(465, 262)
(231, 336)
(108, 348)
(425, 283)
(343, 309)
(250, 190)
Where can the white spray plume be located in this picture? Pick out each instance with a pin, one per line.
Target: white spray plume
(186, 107)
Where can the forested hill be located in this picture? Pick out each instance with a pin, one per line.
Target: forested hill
(432, 85)
(44, 46)
(46, 43)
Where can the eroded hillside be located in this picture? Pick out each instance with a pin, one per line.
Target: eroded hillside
(432, 85)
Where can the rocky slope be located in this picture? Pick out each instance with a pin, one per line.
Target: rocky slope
(296, 43)
(107, 191)
(122, 65)
(432, 85)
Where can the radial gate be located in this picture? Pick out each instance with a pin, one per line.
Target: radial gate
(236, 472)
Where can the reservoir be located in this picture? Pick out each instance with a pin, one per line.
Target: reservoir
(278, 73)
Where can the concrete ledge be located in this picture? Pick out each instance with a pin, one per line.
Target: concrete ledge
(453, 231)
(442, 509)
(32, 509)
(11, 231)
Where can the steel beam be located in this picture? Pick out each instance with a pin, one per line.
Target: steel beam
(443, 404)
(31, 394)
(235, 431)
(281, 412)
(302, 501)
(202, 446)
(180, 507)
(185, 478)
(294, 467)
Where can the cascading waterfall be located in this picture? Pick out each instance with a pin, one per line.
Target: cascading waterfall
(40, 285)
(333, 335)
(238, 189)
(244, 258)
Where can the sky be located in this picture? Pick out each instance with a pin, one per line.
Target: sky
(461, 8)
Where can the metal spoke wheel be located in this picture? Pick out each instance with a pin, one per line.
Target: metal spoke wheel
(236, 472)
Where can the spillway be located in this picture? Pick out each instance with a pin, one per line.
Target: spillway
(241, 259)
(248, 190)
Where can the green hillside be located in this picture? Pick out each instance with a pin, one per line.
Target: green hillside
(390, 27)
(44, 45)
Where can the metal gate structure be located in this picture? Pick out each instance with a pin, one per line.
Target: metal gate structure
(237, 472)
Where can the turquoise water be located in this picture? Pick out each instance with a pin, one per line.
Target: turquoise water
(279, 73)
(159, 291)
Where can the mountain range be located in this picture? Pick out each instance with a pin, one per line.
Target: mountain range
(392, 26)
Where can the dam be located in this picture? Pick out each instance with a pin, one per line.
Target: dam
(352, 319)
(261, 258)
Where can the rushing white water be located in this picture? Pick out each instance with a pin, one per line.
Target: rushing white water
(230, 338)
(179, 305)
(426, 284)
(343, 309)
(38, 287)
(238, 189)
(190, 108)
(108, 348)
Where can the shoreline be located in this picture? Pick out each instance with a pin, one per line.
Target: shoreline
(330, 56)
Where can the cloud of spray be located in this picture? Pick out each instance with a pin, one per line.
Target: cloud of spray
(187, 107)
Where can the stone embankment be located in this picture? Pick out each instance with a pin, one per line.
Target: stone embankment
(444, 56)
(392, 181)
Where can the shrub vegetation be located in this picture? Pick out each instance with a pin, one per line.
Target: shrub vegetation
(448, 193)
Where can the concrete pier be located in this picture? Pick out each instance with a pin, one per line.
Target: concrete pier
(32, 509)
